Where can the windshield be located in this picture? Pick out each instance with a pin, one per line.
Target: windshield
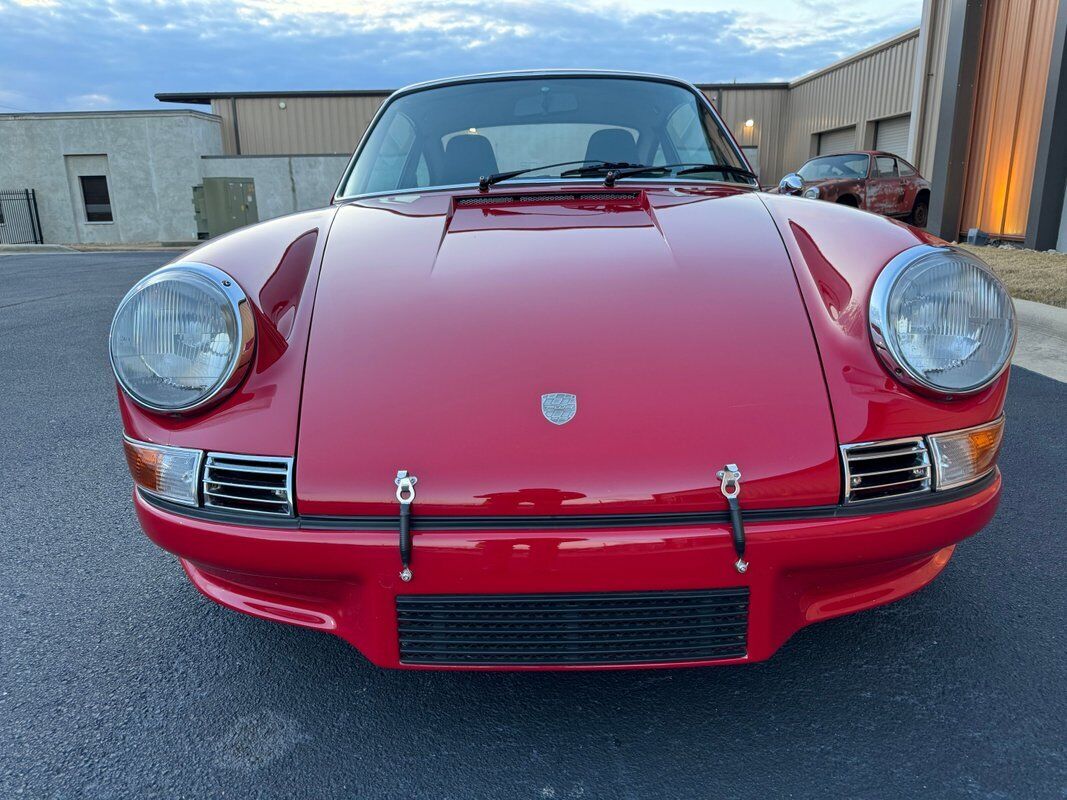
(458, 133)
(853, 165)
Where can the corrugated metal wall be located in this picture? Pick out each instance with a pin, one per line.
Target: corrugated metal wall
(858, 92)
(1009, 102)
(766, 108)
(307, 125)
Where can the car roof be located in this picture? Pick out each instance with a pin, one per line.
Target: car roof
(485, 77)
(859, 153)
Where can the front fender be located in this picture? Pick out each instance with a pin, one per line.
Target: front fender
(276, 263)
(837, 253)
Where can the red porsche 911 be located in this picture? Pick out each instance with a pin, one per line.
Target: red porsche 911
(552, 384)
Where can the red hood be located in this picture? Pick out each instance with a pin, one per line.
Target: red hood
(674, 318)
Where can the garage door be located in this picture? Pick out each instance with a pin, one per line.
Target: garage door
(837, 141)
(891, 135)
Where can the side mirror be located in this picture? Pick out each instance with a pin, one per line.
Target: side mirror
(791, 184)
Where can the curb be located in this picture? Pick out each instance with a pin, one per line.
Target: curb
(1042, 345)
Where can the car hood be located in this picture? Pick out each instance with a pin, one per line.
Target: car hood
(673, 317)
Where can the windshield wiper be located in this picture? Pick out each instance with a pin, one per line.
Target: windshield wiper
(690, 169)
(599, 167)
(488, 180)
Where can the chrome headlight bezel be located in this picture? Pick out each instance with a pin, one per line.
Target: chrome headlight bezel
(885, 342)
(244, 322)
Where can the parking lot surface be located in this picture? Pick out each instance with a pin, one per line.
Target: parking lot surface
(120, 680)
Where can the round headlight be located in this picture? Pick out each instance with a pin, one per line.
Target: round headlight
(942, 321)
(812, 193)
(182, 338)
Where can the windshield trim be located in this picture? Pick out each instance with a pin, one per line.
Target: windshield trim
(338, 197)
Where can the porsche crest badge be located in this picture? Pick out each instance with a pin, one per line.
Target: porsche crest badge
(559, 408)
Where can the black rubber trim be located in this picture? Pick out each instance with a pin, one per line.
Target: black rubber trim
(669, 519)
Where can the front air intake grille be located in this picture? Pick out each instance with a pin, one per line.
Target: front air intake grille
(249, 484)
(880, 470)
(568, 197)
(573, 629)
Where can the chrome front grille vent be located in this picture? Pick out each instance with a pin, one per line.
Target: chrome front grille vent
(880, 470)
(249, 484)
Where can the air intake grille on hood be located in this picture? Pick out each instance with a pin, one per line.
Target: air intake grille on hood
(879, 470)
(568, 197)
(249, 484)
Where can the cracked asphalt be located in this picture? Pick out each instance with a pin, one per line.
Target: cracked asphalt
(119, 680)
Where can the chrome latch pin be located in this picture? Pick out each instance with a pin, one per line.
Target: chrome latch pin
(730, 475)
(405, 495)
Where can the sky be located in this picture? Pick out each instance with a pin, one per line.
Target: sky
(69, 55)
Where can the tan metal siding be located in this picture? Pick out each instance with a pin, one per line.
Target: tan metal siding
(1015, 51)
(766, 108)
(307, 125)
(857, 93)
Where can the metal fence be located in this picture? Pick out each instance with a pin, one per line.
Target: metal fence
(19, 221)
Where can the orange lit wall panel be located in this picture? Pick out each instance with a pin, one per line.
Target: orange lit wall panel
(1013, 68)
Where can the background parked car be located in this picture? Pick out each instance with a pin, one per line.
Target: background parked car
(872, 180)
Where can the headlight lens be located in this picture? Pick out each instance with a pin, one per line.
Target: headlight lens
(181, 337)
(964, 456)
(812, 193)
(942, 321)
(168, 472)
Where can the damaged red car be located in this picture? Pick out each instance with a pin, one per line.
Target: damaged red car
(872, 180)
(552, 384)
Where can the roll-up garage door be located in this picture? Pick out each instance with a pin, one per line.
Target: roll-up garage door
(891, 135)
(838, 141)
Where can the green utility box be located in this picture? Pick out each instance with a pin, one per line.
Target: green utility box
(223, 204)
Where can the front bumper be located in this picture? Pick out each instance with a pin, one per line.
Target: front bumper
(347, 581)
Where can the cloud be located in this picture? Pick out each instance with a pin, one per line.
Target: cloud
(61, 54)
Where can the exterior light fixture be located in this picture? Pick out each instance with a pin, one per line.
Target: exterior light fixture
(750, 123)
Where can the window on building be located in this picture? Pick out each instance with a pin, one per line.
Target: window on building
(96, 198)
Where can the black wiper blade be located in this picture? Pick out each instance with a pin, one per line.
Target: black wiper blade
(488, 180)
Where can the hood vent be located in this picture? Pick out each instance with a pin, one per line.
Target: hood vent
(249, 484)
(880, 470)
(567, 197)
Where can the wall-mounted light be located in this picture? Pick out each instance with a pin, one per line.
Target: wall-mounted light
(281, 105)
(750, 123)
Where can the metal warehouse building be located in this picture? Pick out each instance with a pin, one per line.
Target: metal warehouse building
(976, 98)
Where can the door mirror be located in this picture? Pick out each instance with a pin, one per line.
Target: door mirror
(791, 184)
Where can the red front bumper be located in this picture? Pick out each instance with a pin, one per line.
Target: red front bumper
(346, 582)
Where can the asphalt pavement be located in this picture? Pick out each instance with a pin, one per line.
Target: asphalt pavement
(120, 680)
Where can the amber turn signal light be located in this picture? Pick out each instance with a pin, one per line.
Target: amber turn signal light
(961, 457)
(171, 473)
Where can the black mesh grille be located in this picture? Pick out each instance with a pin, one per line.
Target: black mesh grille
(568, 197)
(547, 629)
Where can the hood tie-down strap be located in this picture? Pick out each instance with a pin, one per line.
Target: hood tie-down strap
(405, 495)
(730, 476)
